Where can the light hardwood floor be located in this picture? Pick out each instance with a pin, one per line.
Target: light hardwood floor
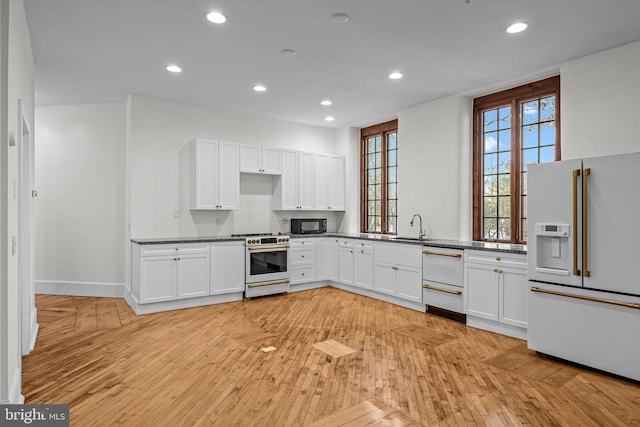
(340, 359)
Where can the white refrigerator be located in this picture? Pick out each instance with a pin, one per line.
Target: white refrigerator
(583, 219)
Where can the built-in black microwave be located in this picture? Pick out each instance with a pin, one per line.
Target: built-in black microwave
(308, 226)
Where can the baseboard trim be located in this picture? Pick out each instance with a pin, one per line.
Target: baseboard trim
(308, 286)
(496, 327)
(380, 296)
(80, 289)
(16, 385)
(157, 307)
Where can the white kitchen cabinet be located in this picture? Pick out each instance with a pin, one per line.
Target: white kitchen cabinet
(363, 264)
(214, 175)
(302, 261)
(170, 272)
(227, 267)
(260, 159)
(293, 190)
(398, 270)
(497, 290)
(329, 182)
(345, 262)
(322, 258)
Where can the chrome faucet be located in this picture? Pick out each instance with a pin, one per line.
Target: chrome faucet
(422, 233)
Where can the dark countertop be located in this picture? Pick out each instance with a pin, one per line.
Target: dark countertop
(440, 243)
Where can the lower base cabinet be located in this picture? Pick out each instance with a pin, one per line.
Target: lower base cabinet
(397, 270)
(497, 290)
(227, 267)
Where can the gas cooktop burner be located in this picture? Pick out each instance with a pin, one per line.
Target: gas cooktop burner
(251, 234)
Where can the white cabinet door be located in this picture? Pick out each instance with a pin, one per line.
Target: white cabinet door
(336, 184)
(409, 283)
(482, 291)
(384, 277)
(204, 174)
(322, 258)
(363, 267)
(305, 181)
(334, 259)
(288, 184)
(346, 266)
(229, 172)
(514, 291)
(192, 276)
(227, 267)
(157, 278)
(271, 160)
(321, 182)
(250, 158)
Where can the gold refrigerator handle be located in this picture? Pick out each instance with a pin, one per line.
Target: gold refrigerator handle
(576, 174)
(585, 223)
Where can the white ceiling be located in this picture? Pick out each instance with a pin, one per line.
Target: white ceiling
(94, 51)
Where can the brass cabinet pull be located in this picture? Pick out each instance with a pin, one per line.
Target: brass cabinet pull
(258, 285)
(576, 174)
(433, 288)
(394, 267)
(582, 297)
(497, 270)
(441, 254)
(302, 256)
(585, 223)
(497, 258)
(259, 248)
(362, 251)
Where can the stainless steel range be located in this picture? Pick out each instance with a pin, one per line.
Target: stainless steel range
(266, 265)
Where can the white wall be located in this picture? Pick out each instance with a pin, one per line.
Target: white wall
(80, 177)
(348, 146)
(19, 68)
(160, 132)
(599, 98)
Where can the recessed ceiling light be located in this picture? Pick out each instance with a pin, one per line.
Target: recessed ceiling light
(339, 18)
(516, 27)
(174, 68)
(216, 17)
(395, 75)
(326, 102)
(288, 52)
(259, 88)
(329, 118)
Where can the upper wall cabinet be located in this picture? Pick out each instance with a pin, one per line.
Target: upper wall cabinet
(294, 189)
(260, 159)
(214, 175)
(329, 183)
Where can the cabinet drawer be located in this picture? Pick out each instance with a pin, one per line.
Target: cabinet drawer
(182, 249)
(443, 265)
(302, 243)
(363, 245)
(398, 253)
(345, 243)
(443, 296)
(302, 274)
(302, 255)
(503, 259)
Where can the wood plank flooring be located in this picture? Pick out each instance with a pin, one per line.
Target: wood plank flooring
(205, 366)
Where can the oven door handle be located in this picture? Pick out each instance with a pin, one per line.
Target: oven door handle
(262, 248)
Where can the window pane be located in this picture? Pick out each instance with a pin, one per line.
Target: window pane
(490, 185)
(371, 145)
(371, 176)
(371, 162)
(378, 223)
(548, 108)
(504, 206)
(530, 136)
(391, 208)
(371, 192)
(372, 223)
(392, 191)
(378, 143)
(392, 141)
(491, 142)
(547, 154)
(504, 185)
(524, 206)
(504, 229)
(529, 156)
(378, 207)
(490, 120)
(504, 140)
(490, 228)
(523, 183)
(504, 115)
(490, 163)
(530, 112)
(391, 224)
(392, 158)
(490, 206)
(378, 192)
(371, 207)
(378, 176)
(391, 174)
(524, 229)
(504, 162)
(547, 133)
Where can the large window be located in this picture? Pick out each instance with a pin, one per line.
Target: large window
(511, 129)
(379, 178)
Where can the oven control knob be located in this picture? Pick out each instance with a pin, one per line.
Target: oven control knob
(286, 239)
(252, 241)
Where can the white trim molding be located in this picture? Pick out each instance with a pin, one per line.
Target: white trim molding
(81, 289)
(16, 384)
